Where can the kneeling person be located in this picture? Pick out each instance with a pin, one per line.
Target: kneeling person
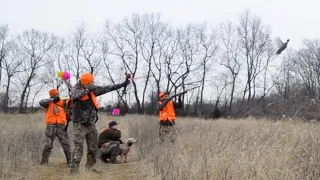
(109, 141)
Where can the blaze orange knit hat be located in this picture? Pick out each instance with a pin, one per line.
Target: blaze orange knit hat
(86, 78)
(53, 92)
(162, 95)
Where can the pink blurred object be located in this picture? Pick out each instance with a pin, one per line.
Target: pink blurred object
(116, 112)
(66, 75)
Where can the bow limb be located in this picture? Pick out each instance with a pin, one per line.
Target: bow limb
(124, 90)
(69, 87)
(68, 105)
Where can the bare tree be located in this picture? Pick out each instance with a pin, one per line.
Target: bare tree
(230, 58)
(153, 35)
(286, 76)
(11, 66)
(254, 39)
(126, 37)
(90, 53)
(109, 65)
(34, 45)
(73, 50)
(167, 46)
(4, 34)
(188, 46)
(207, 50)
(55, 63)
(269, 74)
(307, 64)
(221, 84)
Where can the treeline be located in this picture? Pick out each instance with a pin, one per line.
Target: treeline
(233, 64)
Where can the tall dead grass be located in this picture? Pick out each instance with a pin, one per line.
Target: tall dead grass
(229, 149)
(20, 140)
(223, 149)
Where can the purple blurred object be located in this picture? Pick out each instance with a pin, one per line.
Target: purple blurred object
(116, 112)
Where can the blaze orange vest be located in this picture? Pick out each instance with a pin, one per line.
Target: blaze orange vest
(167, 113)
(55, 113)
(93, 98)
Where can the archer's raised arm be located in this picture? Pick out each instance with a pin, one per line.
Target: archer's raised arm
(100, 90)
(45, 102)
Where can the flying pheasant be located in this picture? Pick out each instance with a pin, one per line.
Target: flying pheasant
(282, 46)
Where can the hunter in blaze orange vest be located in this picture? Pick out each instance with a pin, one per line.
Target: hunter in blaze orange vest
(56, 112)
(167, 107)
(56, 117)
(55, 108)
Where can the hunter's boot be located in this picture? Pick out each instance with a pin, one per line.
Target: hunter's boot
(91, 163)
(45, 157)
(74, 168)
(104, 158)
(69, 159)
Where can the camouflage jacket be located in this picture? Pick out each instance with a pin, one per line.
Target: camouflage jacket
(84, 112)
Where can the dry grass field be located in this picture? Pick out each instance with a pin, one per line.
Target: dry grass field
(221, 149)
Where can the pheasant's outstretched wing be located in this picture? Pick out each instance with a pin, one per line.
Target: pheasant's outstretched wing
(278, 42)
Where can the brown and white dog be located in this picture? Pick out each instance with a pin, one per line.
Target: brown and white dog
(125, 148)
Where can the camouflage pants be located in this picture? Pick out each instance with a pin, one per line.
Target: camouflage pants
(167, 132)
(82, 133)
(51, 132)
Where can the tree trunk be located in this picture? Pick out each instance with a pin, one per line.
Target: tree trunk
(136, 96)
(145, 88)
(6, 101)
(23, 95)
(232, 94)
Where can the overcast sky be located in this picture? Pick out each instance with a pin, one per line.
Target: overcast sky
(294, 19)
